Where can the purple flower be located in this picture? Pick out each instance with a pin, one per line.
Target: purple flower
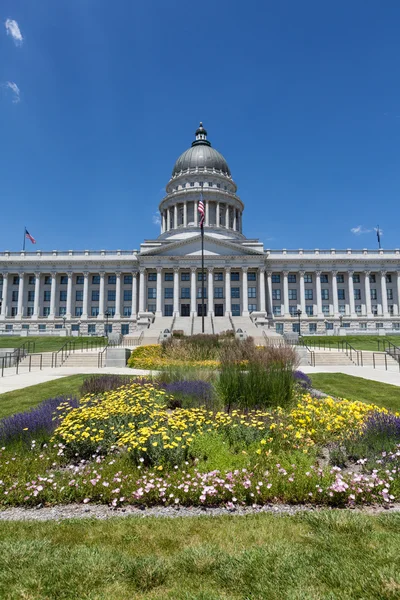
(302, 379)
(198, 390)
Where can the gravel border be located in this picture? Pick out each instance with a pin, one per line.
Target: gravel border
(102, 512)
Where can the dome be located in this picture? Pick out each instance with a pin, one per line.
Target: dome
(201, 155)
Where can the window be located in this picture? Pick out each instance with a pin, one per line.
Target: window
(374, 309)
(357, 294)
(27, 326)
(252, 307)
(151, 293)
(308, 278)
(151, 308)
(396, 326)
(276, 278)
(112, 279)
(325, 309)
(251, 292)
(185, 276)
(29, 311)
(128, 279)
(309, 310)
(235, 292)
(95, 279)
(358, 309)
(111, 310)
(31, 280)
(218, 185)
(111, 295)
(372, 278)
(391, 309)
(199, 292)
(329, 325)
(324, 278)
(78, 295)
(362, 325)
(79, 279)
(218, 292)
(388, 278)
(341, 295)
(276, 310)
(218, 276)
(279, 328)
(251, 276)
(14, 311)
(63, 280)
(185, 292)
(342, 309)
(9, 327)
(292, 278)
(78, 311)
(373, 294)
(340, 278)
(293, 311)
(295, 328)
(31, 296)
(95, 295)
(292, 294)
(42, 327)
(15, 280)
(63, 296)
(94, 311)
(210, 184)
(276, 294)
(168, 310)
(168, 292)
(356, 278)
(91, 328)
(14, 296)
(62, 311)
(308, 294)
(389, 294)
(201, 276)
(46, 311)
(127, 295)
(325, 294)
(127, 311)
(235, 276)
(168, 276)
(46, 296)
(312, 327)
(125, 328)
(235, 310)
(379, 325)
(192, 184)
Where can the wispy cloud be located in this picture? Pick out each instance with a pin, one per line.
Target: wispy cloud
(156, 219)
(380, 230)
(13, 29)
(360, 229)
(10, 85)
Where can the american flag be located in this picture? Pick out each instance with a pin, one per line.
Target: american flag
(29, 237)
(200, 208)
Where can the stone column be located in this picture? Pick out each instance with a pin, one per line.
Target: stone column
(101, 296)
(227, 216)
(398, 292)
(176, 292)
(207, 220)
(319, 295)
(159, 293)
(269, 292)
(384, 294)
(141, 289)
(245, 301)
(335, 295)
(163, 223)
(176, 216)
(85, 306)
(261, 277)
(228, 303)
(351, 295)
(193, 271)
(217, 214)
(53, 291)
(286, 293)
(367, 284)
(210, 291)
(68, 308)
(4, 303)
(20, 305)
(117, 296)
(302, 294)
(195, 213)
(185, 214)
(234, 219)
(134, 295)
(36, 301)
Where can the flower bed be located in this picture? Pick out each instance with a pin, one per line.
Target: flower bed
(151, 358)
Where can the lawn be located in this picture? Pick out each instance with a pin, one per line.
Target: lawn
(335, 555)
(47, 343)
(358, 389)
(360, 342)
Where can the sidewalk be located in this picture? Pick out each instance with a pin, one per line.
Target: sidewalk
(365, 372)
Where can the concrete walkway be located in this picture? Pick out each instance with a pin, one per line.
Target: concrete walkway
(11, 381)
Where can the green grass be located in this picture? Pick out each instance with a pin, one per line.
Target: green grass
(332, 555)
(46, 343)
(360, 342)
(357, 388)
(26, 398)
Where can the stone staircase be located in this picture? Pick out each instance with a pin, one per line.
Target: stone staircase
(183, 324)
(197, 325)
(222, 324)
(332, 358)
(379, 360)
(82, 359)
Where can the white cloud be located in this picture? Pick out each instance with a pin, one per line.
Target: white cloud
(13, 29)
(359, 230)
(10, 85)
(380, 230)
(156, 219)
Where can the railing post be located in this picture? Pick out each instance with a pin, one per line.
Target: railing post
(373, 359)
(41, 361)
(30, 363)
(385, 361)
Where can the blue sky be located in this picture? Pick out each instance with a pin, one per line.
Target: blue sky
(98, 99)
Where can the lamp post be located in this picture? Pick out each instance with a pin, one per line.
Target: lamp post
(341, 320)
(299, 313)
(107, 314)
(79, 327)
(64, 319)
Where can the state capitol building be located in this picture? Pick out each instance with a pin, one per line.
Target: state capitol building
(161, 284)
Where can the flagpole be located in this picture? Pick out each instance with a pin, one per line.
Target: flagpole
(378, 233)
(23, 244)
(202, 277)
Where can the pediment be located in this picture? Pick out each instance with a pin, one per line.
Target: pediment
(192, 247)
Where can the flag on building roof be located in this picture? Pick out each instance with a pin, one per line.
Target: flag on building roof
(29, 237)
(200, 208)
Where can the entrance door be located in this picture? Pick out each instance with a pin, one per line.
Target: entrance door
(185, 310)
(219, 310)
(200, 310)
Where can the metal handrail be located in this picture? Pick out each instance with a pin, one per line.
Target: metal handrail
(312, 353)
(70, 347)
(390, 348)
(100, 356)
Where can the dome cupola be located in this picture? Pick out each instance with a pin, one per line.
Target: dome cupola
(201, 156)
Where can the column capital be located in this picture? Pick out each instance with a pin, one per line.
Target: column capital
(142, 270)
(262, 269)
(285, 273)
(176, 269)
(398, 275)
(318, 273)
(21, 274)
(159, 269)
(269, 273)
(193, 269)
(5, 274)
(37, 274)
(102, 274)
(334, 273)
(367, 273)
(134, 273)
(302, 273)
(227, 269)
(210, 269)
(70, 273)
(245, 269)
(86, 273)
(350, 273)
(383, 273)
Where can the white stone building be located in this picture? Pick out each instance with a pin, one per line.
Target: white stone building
(87, 291)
